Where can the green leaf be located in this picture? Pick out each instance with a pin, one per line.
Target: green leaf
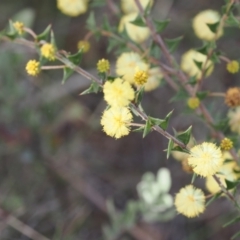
(185, 136)
(231, 185)
(164, 124)
(52, 39)
(232, 221)
(45, 34)
(173, 43)
(213, 26)
(91, 22)
(192, 80)
(67, 72)
(11, 33)
(139, 95)
(198, 64)
(203, 94)
(180, 95)
(179, 149)
(76, 58)
(139, 21)
(140, 129)
(147, 128)
(170, 146)
(97, 3)
(235, 235)
(94, 88)
(193, 178)
(161, 25)
(232, 21)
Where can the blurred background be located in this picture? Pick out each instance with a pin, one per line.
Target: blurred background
(57, 167)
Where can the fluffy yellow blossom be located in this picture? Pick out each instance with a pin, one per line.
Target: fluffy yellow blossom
(115, 121)
(226, 144)
(232, 97)
(233, 66)
(234, 120)
(135, 33)
(19, 26)
(193, 102)
(128, 63)
(140, 77)
(154, 79)
(190, 201)
(188, 65)
(201, 28)
(72, 8)
(129, 6)
(48, 51)
(84, 45)
(33, 67)
(206, 159)
(103, 65)
(118, 93)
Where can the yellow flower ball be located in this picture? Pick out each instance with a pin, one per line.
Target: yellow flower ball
(33, 68)
(84, 45)
(188, 65)
(135, 33)
(19, 26)
(201, 28)
(190, 201)
(103, 65)
(233, 66)
(193, 102)
(72, 8)
(129, 6)
(118, 93)
(206, 159)
(115, 121)
(226, 144)
(48, 51)
(140, 77)
(128, 63)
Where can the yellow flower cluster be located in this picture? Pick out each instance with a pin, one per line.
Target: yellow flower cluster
(140, 77)
(232, 97)
(189, 66)
(206, 159)
(33, 67)
(84, 45)
(233, 66)
(72, 8)
(48, 51)
(226, 144)
(19, 26)
(190, 201)
(118, 93)
(103, 66)
(193, 102)
(128, 63)
(115, 121)
(201, 28)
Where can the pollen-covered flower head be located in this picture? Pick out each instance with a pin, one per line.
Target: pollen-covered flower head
(189, 66)
(140, 77)
(154, 79)
(129, 6)
(226, 144)
(193, 102)
(190, 201)
(234, 119)
(136, 33)
(84, 45)
(33, 67)
(19, 26)
(128, 63)
(48, 51)
(232, 98)
(72, 8)
(118, 93)
(201, 28)
(103, 65)
(233, 66)
(206, 159)
(116, 120)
